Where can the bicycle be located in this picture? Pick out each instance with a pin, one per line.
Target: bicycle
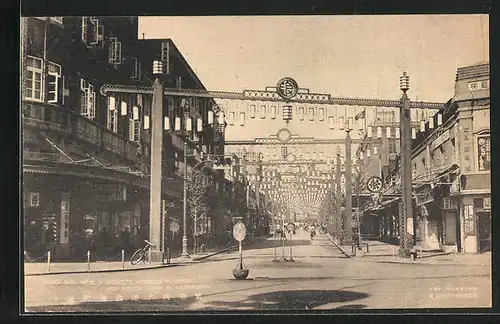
(140, 254)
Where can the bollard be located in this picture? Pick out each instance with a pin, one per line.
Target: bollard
(88, 260)
(123, 259)
(168, 255)
(421, 253)
(367, 248)
(48, 261)
(393, 253)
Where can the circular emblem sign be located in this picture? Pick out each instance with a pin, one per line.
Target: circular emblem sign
(239, 231)
(284, 135)
(287, 88)
(374, 184)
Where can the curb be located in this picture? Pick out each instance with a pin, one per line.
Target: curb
(423, 263)
(338, 246)
(174, 264)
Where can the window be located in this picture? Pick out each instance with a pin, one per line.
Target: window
(54, 84)
(115, 51)
(112, 123)
(34, 199)
(483, 152)
(34, 82)
(87, 99)
(134, 130)
(92, 31)
(392, 146)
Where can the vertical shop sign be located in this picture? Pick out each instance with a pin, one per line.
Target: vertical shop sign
(470, 228)
(466, 143)
(64, 231)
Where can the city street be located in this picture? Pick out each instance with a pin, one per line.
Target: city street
(321, 278)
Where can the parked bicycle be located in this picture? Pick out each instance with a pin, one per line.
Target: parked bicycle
(140, 254)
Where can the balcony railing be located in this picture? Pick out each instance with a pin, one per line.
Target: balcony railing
(55, 118)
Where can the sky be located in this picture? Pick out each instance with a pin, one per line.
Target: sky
(345, 56)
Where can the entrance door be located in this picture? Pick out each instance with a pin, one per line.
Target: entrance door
(450, 228)
(484, 231)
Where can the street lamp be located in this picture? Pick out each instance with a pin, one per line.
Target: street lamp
(406, 207)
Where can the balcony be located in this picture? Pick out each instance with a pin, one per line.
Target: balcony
(53, 118)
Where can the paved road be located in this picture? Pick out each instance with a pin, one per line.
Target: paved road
(320, 278)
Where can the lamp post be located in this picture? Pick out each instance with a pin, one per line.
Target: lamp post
(406, 209)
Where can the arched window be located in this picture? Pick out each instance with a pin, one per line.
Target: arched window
(483, 151)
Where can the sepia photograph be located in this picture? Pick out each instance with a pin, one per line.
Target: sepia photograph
(255, 163)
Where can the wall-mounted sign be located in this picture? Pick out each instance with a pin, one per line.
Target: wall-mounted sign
(478, 85)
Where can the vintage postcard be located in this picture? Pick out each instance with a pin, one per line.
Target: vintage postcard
(255, 163)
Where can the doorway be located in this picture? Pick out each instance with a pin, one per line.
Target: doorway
(484, 231)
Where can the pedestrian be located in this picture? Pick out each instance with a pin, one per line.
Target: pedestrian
(125, 239)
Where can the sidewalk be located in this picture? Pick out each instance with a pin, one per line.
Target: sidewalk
(42, 268)
(387, 253)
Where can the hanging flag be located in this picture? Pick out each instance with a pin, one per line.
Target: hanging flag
(360, 115)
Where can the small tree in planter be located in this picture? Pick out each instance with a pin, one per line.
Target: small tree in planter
(199, 192)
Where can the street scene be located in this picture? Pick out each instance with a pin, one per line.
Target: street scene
(322, 164)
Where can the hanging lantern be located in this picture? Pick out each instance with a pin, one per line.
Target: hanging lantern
(440, 119)
(369, 132)
(341, 123)
(388, 133)
(331, 122)
(242, 119)
(375, 150)
(422, 126)
(311, 113)
(166, 123)
(220, 117)
(262, 112)
(431, 122)
(199, 125)
(361, 155)
(189, 125)
(273, 112)
(321, 113)
(135, 113)
(210, 117)
(146, 122)
(231, 118)
(123, 108)
(177, 125)
(367, 153)
(413, 133)
(301, 113)
(398, 133)
(379, 132)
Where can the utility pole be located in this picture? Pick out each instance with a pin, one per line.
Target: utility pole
(348, 187)
(156, 159)
(338, 192)
(406, 210)
(185, 253)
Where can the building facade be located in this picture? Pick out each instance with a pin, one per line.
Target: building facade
(451, 172)
(85, 155)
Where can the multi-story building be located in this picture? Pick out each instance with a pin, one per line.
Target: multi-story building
(86, 155)
(450, 172)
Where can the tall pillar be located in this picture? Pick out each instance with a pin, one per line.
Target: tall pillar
(406, 209)
(155, 177)
(338, 194)
(348, 188)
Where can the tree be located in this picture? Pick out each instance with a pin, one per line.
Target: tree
(200, 191)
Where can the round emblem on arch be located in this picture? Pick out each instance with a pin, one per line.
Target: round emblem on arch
(374, 184)
(287, 88)
(284, 135)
